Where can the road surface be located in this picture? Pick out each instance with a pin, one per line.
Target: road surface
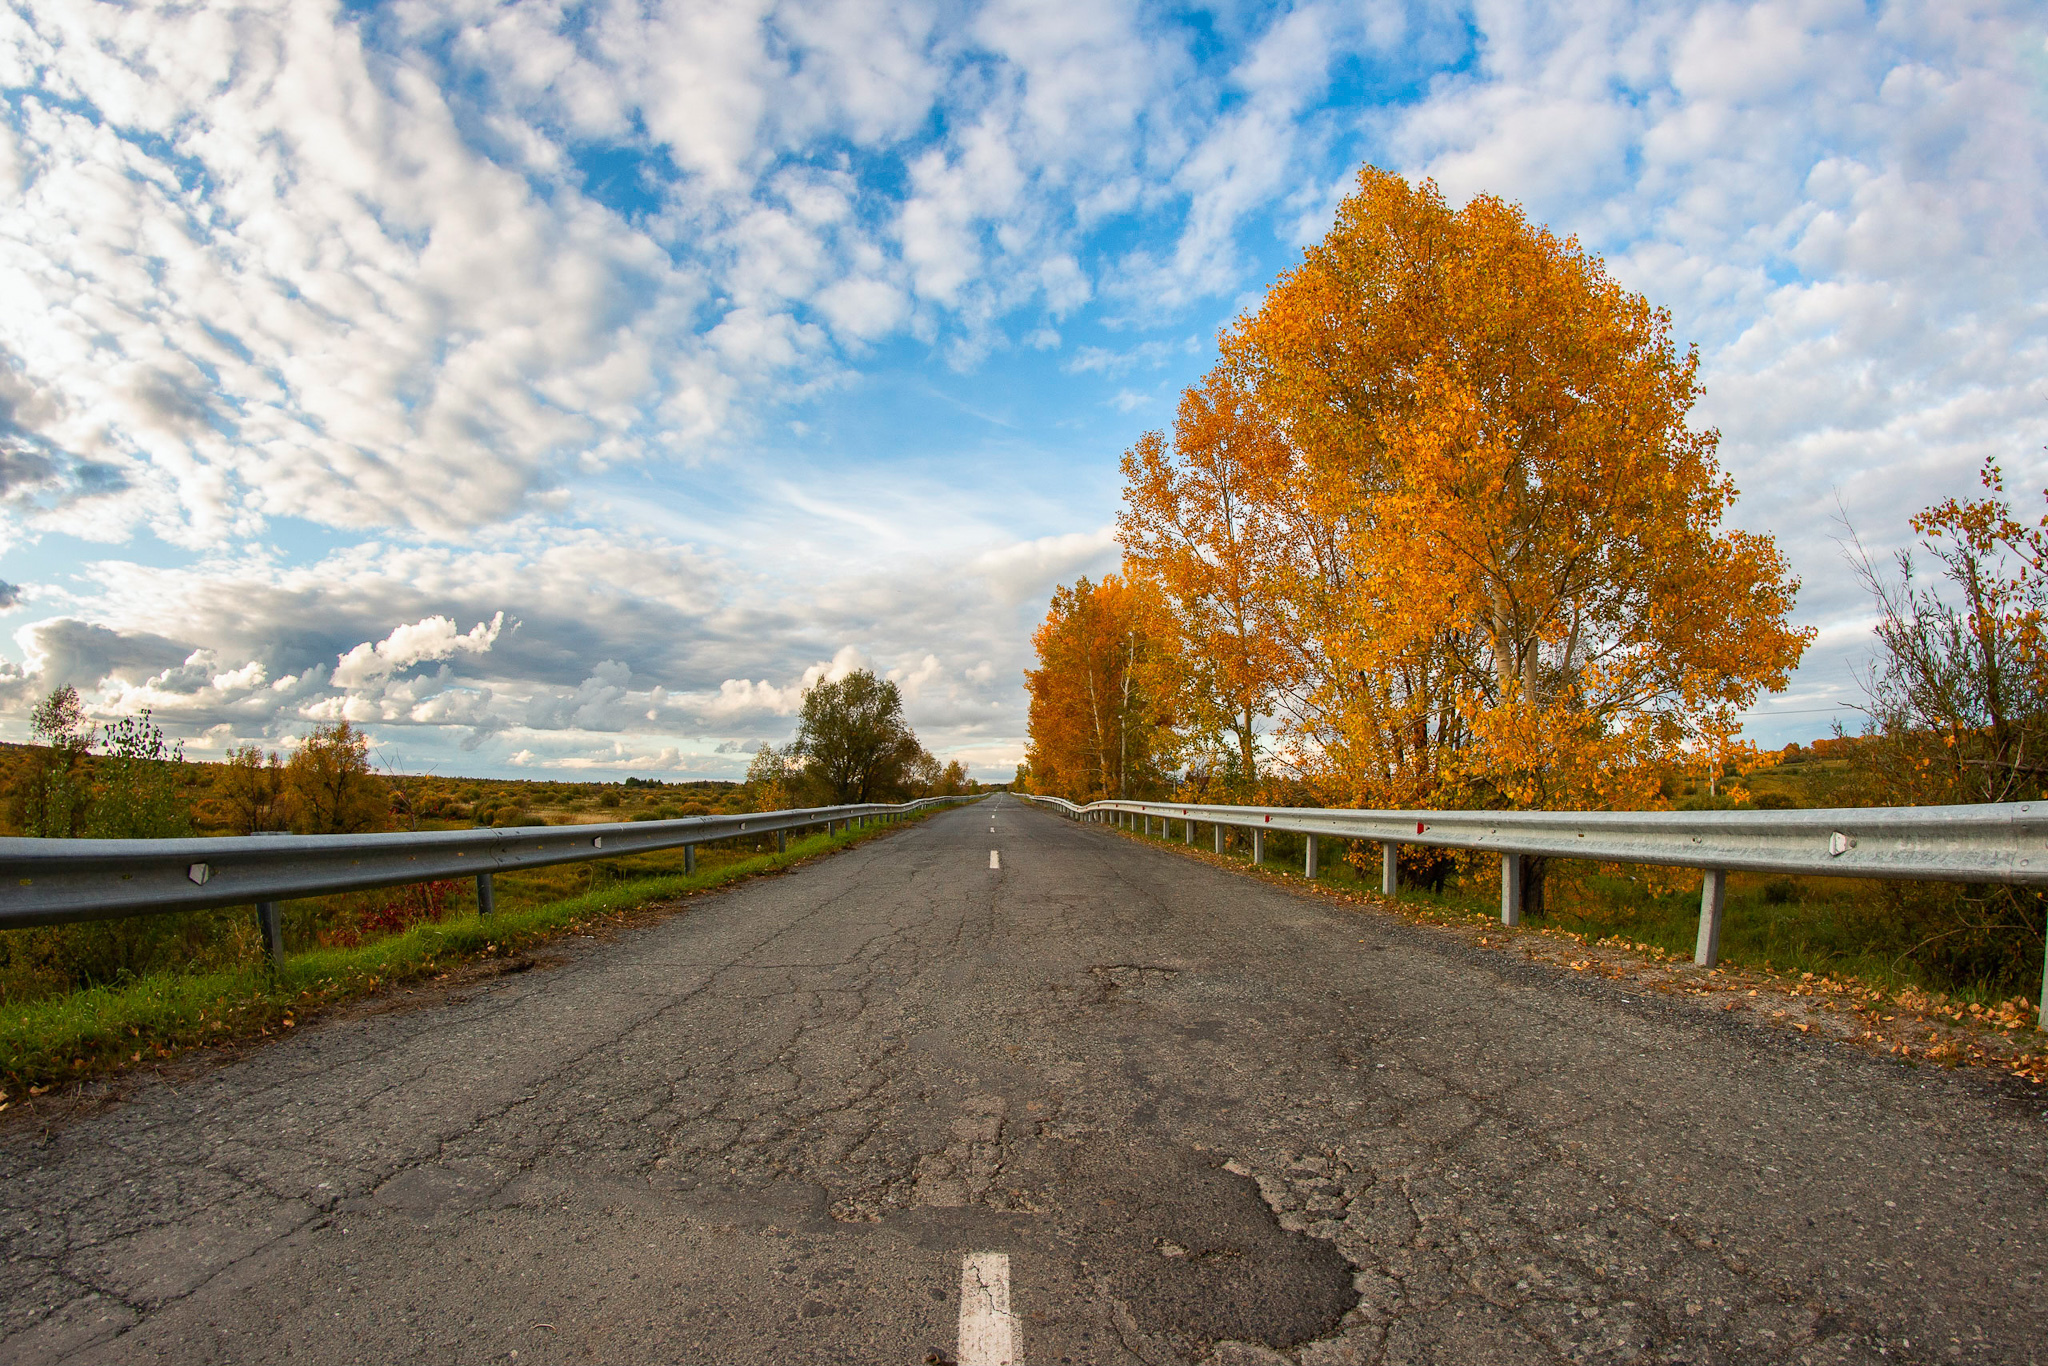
(1003, 1084)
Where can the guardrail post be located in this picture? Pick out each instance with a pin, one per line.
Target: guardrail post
(486, 895)
(689, 858)
(1258, 845)
(1390, 869)
(1190, 831)
(1713, 892)
(273, 931)
(1511, 871)
(1308, 862)
(1217, 831)
(782, 841)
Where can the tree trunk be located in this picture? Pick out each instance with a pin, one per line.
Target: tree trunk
(1534, 869)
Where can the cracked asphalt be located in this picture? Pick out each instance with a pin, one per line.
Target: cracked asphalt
(1207, 1118)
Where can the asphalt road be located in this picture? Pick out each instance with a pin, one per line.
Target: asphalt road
(1203, 1117)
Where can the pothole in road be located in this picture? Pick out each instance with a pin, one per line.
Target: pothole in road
(1114, 979)
(1195, 1254)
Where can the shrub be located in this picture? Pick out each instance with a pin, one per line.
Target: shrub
(333, 791)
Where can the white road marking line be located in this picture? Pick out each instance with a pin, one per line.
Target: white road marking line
(994, 860)
(988, 1330)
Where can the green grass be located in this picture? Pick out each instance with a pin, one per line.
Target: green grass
(106, 1029)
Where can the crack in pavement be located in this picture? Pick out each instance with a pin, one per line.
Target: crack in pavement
(1204, 1121)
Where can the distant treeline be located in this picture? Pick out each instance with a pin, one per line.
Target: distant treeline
(126, 779)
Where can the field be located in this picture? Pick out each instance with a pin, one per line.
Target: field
(430, 802)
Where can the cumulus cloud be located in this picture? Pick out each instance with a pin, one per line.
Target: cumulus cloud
(515, 301)
(405, 268)
(428, 638)
(66, 652)
(664, 626)
(1830, 204)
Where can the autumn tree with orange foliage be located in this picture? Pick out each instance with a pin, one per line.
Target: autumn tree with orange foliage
(1201, 521)
(1958, 712)
(1959, 695)
(1439, 506)
(1104, 697)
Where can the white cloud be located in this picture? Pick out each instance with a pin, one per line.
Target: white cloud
(521, 299)
(1022, 570)
(282, 265)
(429, 638)
(1842, 208)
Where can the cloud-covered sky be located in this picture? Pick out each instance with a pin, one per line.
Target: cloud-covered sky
(566, 385)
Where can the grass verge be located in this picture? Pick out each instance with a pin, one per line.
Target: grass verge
(106, 1030)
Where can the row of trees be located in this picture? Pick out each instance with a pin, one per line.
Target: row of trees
(123, 781)
(1434, 531)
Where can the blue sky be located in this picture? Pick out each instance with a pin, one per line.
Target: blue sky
(558, 385)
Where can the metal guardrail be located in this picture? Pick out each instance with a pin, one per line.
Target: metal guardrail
(63, 881)
(2003, 842)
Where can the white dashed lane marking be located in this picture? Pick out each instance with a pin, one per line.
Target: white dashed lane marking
(994, 859)
(988, 1328)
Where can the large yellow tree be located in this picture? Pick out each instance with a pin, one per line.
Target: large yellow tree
(1104, 697)
(1492, 555)
(1201, 522)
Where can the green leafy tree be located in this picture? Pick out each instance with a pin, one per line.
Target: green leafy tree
(138, 795)
(854, 736)
(53, 796)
